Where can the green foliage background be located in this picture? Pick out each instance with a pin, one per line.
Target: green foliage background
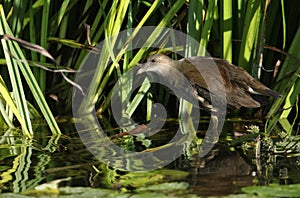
(245, 32)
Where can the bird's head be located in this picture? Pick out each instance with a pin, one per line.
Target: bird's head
(157, 63)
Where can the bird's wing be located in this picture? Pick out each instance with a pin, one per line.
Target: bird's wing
(221, 80)
(245, 80)
(203, 72)
(207, 81)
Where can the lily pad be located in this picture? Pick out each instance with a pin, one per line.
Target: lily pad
(140, 179)
(274, 190)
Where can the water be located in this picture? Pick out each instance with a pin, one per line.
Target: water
(225, 170)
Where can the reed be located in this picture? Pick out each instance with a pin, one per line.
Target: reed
(239, 31)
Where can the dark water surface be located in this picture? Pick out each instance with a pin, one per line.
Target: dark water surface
(225, 170)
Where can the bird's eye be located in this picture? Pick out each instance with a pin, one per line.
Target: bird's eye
(153, 60)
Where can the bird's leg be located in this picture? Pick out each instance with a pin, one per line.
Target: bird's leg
(211, 136)
(213, 131)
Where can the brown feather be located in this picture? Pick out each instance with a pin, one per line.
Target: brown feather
(237, 82)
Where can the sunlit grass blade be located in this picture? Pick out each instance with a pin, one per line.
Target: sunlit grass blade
(9, 101)
(283, 24)
(125, 50)
(145, 86)
(194, 25)
(288, 87)
(209, 18)
(226, 29)
(29, 77)
(72, 44)
(13, 69)
(163, 23)
(43, 42)
(250, 33)
(113, 24)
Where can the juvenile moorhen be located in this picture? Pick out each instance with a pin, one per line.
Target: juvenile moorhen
(238, 86)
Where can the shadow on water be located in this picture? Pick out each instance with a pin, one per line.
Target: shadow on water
(225, 170)
(222, 172)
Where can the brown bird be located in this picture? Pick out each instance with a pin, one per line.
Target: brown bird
(203, 78)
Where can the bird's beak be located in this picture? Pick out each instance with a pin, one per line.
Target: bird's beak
(140, 68)
(139, 65)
